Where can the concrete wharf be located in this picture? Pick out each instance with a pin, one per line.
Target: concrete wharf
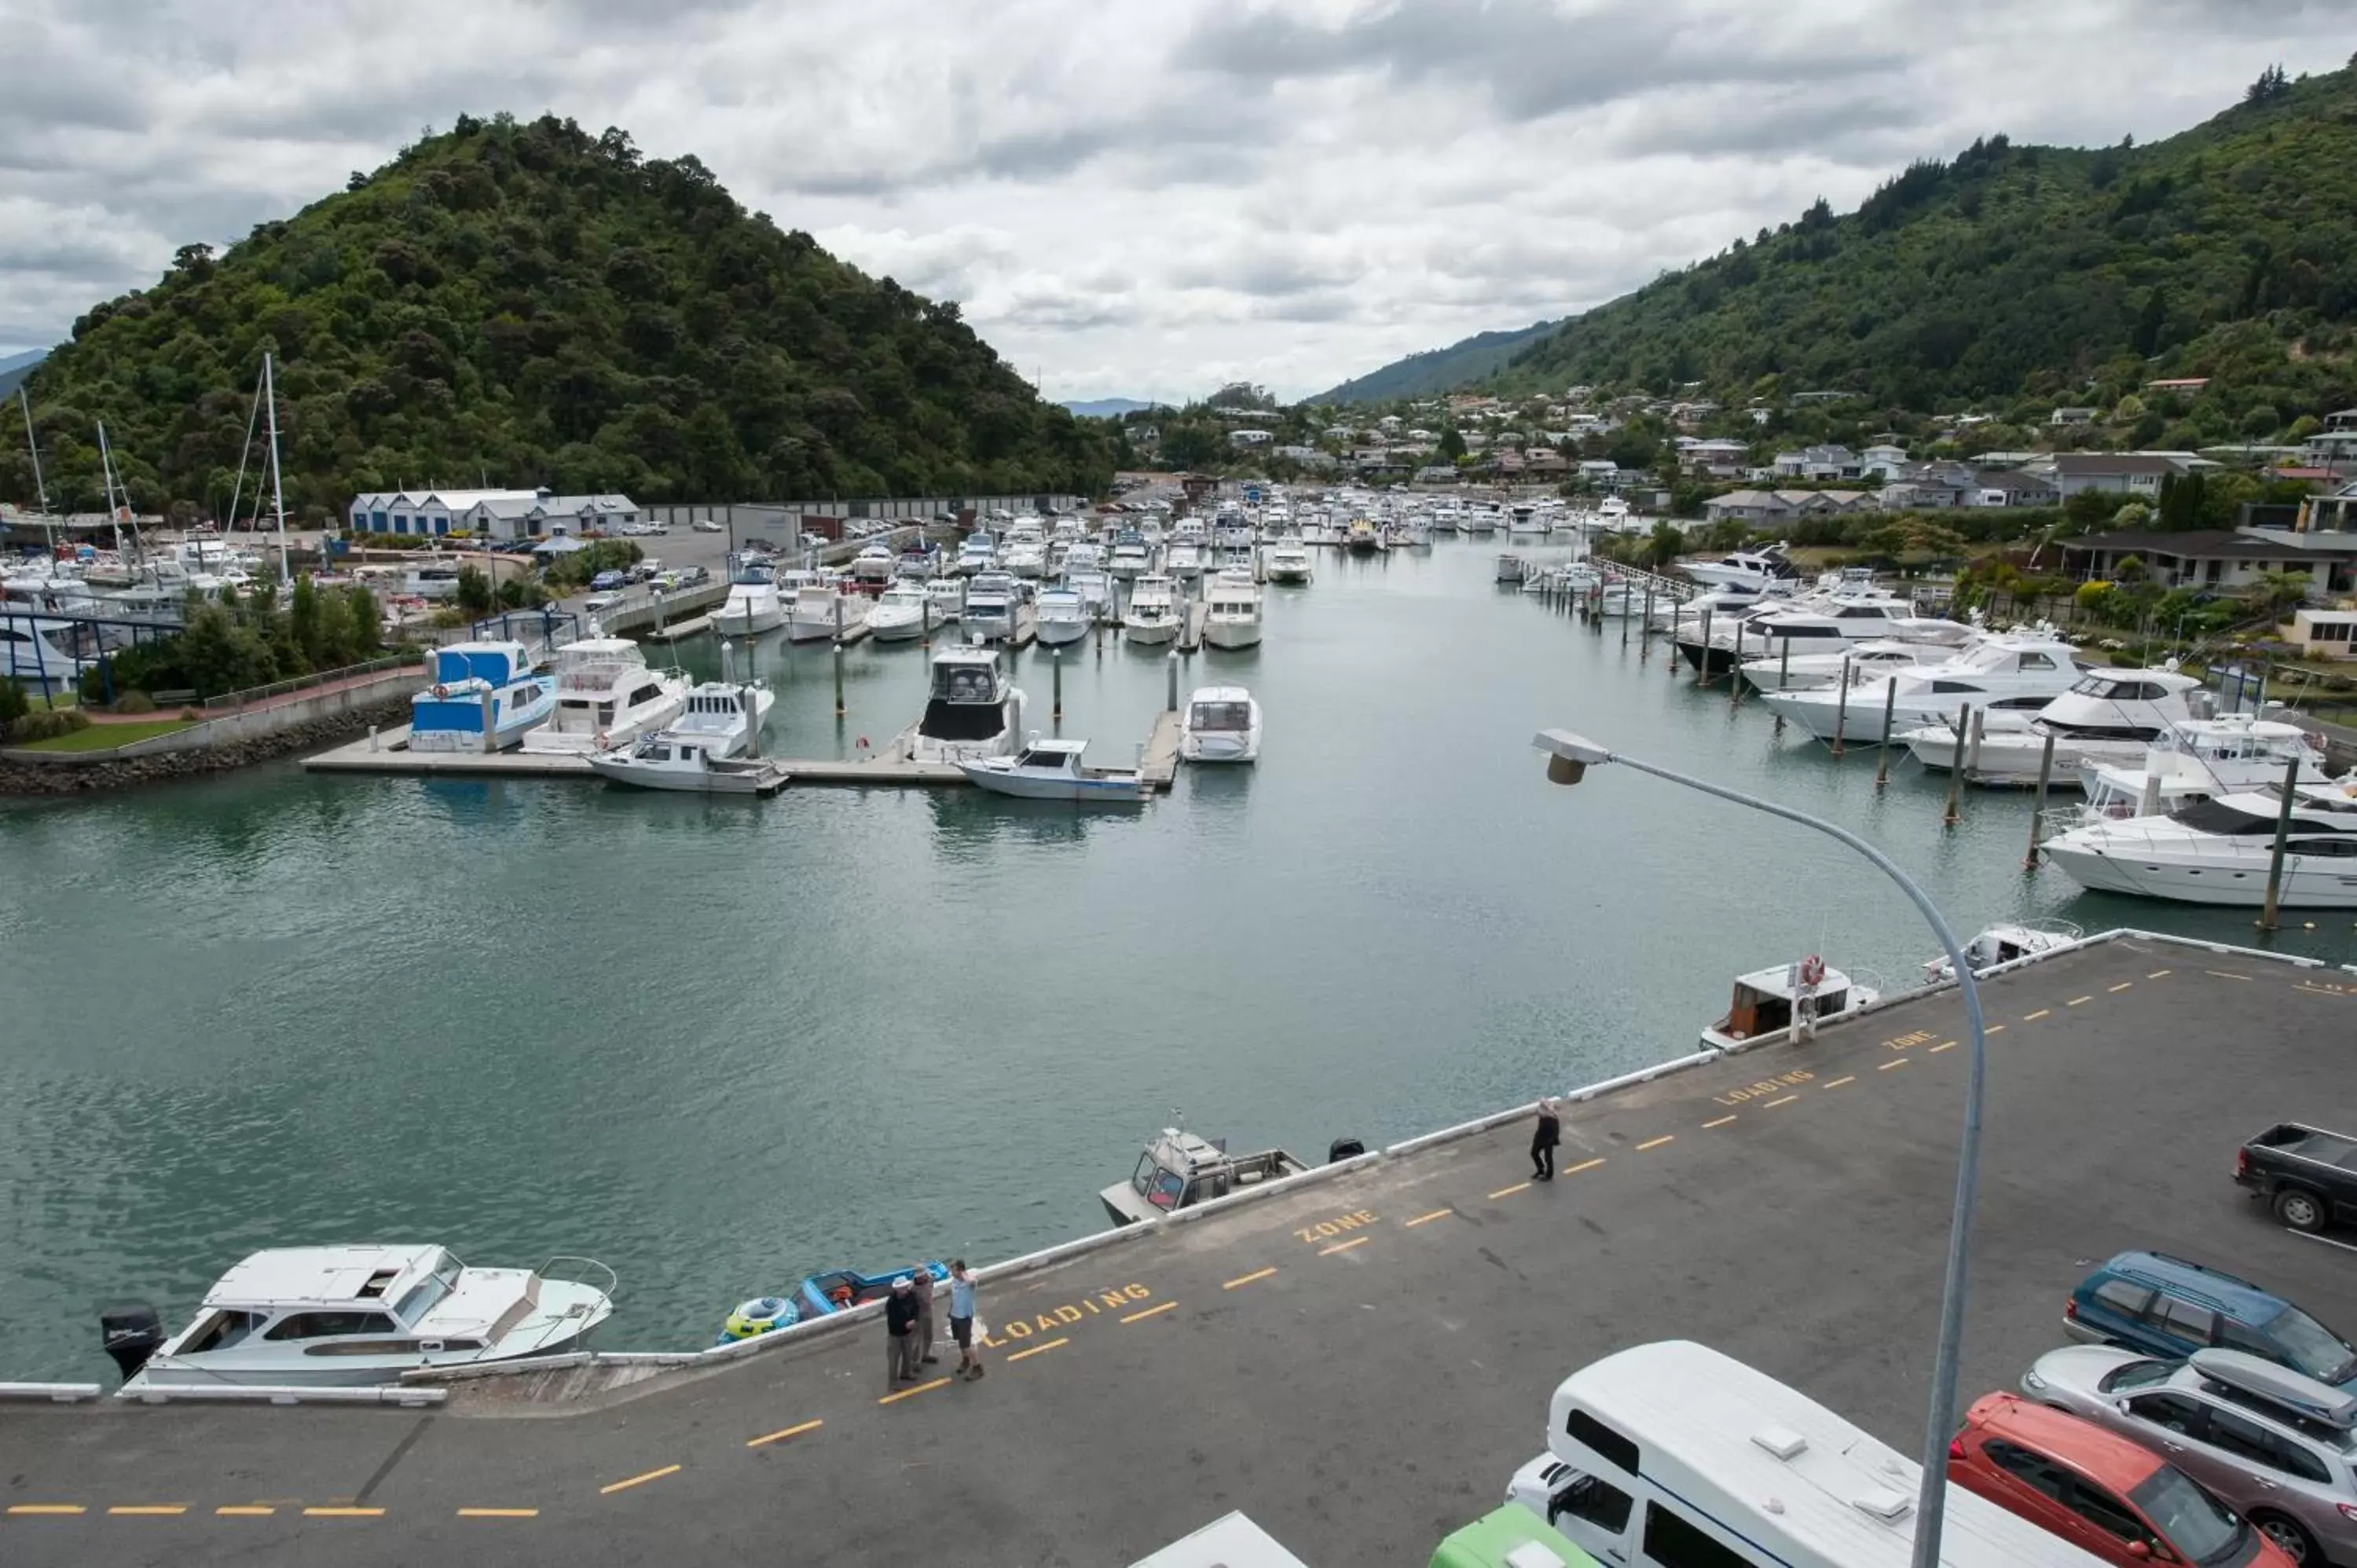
(1358, 1358)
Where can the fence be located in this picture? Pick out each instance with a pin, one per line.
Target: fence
(231, 701)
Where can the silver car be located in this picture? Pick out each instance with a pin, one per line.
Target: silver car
(2276, 1446)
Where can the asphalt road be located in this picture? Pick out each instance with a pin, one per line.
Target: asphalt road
(1359, 1366)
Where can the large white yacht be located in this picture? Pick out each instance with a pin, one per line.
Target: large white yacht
(1064, 616)
(1131, 557)
(1231, 611)
(1027, 549)
(991, 601)
(606, 695)
(2218, 851)
(354, 1316)
(698, 753)
(33, 652)
(972, 710)
(820, 611)
(2107, 716)
(2197, 759)
(874, 563)
(2003, 675)
(1826, 625)
(1753, 569)
(1222, 724)
(978, 552)
(753, 605)
(947, 595)
(902, 613)
(1288, 560)
(1184, 558)
(1153, 615)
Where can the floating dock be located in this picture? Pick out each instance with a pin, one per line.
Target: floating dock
(1358, 1358)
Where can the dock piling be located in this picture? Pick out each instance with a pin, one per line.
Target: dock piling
(1840, 707)
(1645, 643)
(1702, 661)
(1956, 768)
(840, 710)
(2276, 856)
(1735, 671)
(1882, 762)
(1783, 665)
(2038, 802)
(1972, 751)
(1170, 666)
(1056, 665)
(371, 737)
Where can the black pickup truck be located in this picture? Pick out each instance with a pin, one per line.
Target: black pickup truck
(2307, 1175)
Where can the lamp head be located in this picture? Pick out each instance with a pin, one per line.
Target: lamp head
(1568, 755)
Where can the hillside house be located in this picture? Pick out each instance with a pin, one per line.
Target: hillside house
(1819, 462)
(2135, 474)
(2208, 558)
(2062, 417)
(488, 514)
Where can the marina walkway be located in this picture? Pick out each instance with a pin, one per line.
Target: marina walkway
(1358, 1364)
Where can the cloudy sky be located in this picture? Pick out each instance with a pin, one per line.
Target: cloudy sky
(1129, 198)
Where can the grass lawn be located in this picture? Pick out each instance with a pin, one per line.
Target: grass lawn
(106, 737)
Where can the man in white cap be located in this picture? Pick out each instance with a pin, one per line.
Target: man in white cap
(901, 1345)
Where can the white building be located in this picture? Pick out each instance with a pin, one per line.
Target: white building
(1250, 437)
(488, 514)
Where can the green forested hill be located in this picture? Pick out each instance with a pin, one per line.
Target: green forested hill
(530, 304)
(2229, 250)
(1436, 370)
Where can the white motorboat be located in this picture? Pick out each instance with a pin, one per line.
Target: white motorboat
(2004, 674)
(753, 605)
(1053, 770)
(1862, 661)
(2008, 942)
(1064, 616)
(1511, 570)
(1027, 554)
(920, 563)
(606, 695)
(947, 595)
(484, 698)
(820, 611)
(1287, 562)
(1684, 619)
(991, 600)
(874, 563)
(710, 749)
(1179, 1170)
(355, 1315)
(1481, 518)
(1184, 559)
(977, 553)
(1131, 557)
(1787, 997)
(1153, 614)
(33, 651)
(1222, 724)
(2218, 851)
(1084, 555)
(1818, 626)
(1231, 611)
(1363, 537)
(1756, 570)
(2198, 759)
(1096, 590)
(902, 613)
(972, 709)
(2108, 716)
(1524, 518)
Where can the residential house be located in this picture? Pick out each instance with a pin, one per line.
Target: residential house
(1307, 457)
(1436, 473)
(2137, 474)
(1146, 437)
(1423, 437)
(2178, 384)
(2206, 558)
(2010, 486)
(1826, 396)
(491, 514)
(1539, 463)
(1343, 433)
(1389, 422)
(1747, 506)
(2321, 633)
(1721, 457)
(1250, 437)
(1884, 459)
(1475, 440)
(2064, 416)
(1598, 470)
(1819, 462)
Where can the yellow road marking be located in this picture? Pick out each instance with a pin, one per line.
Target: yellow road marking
(1345, 1245)
(2157, 974)
(2123, 985)
(1895, 1061)
(160, 1510)
(1510, 1191)
(502, 1513)
(781, 1436)
(1992, 1029)
(1786, 1101)
(379, 1513)
(1264, 1274)
(46, 1509)
(1585, 1166)
(1951, 1044)
(1837, 1083)
(607, 1491)
(1035, 1350)
(887, 1399)
(2076, 1000)
(1427, 1219)
(1720, 1122)
(1151, 1311)
(1656, 1143)
(2033, 1018)
(2225, 974)
(246, 1510)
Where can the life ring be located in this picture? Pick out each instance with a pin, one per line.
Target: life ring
(1812, 970)
(440, 690)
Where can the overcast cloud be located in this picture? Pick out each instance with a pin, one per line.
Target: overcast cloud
(1127, 199)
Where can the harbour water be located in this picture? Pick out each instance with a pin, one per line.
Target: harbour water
(722, 1044)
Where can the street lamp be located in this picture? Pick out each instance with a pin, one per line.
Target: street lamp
(1569, 756)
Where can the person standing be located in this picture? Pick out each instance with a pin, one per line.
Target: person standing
(962, 1320)
(924, 1293)
(900, 1333)
(1544, 1138)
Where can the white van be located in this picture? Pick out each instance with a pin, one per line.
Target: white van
(1673, 1455)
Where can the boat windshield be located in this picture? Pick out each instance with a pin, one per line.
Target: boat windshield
(426, 1293)
(1160, 1188)
(1219, 716)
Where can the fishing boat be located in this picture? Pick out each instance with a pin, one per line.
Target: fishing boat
(710, 749)
(346, 1317)
(1153, 615)
(1509, 572)
(1064, 616)
(606, 695)
(484, 698)
(1231, 611)
(1179, 1170)
(2007, 942)
(1363, 537)
(902, 613)
(1786, 996)
(753, 605)
(972, 709)
(1053, 770)
(1222, 724)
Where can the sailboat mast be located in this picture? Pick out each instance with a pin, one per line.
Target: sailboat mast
(33, 446)
(106, 477)
(277, 491)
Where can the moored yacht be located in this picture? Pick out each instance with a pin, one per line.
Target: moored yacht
(355, 1315)
(978, 552)
(2198, 759)
(1053, 770)
(2004, 673)
(1287, 562)
(990, 606)
(2107, 716)
(972, 710)
(1222, 724)
(1231, 611)
(1179, 1170)
(753, 605)
(606, 695)
(705, 749)
(1026, 550)
(1752, 569)
(1064, 616)
(2008, 941)
(2218, 851)
(902, 613)
(1184, 559)
(947, 595)
(1795, 997)
(1784, 671)
(873, 563)
(484, 697)
(1131, 557)
(1153, 614)
(820, 610)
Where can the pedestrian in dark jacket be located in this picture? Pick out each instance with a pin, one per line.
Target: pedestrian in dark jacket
(901, 1345)
(1544, 1138)
(924, 1293)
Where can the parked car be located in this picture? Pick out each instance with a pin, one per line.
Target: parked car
(2111, 1497)
(607, 582)
(596, 602)
(708, 525)
(2264, 1439)
(633, 530)
(2308, 1175)
(2160, 1305)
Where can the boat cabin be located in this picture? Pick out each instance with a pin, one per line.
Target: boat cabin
(1220, 708)
(1179, 1170)
(1765, 1000)
(334, 1301)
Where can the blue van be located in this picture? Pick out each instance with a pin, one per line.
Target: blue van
(2160, 1305)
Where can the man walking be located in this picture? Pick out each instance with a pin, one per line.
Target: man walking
(1544, 1138)
(901, 1331)
(925, 1314)
(969, 1365)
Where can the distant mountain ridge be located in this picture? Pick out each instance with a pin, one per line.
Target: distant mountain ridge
(15, 368)
(1437, 369)
(1106, 407)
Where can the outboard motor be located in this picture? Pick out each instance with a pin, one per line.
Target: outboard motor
(1344, 1149)
(132, 1332)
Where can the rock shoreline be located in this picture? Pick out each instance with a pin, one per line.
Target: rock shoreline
(117, 773)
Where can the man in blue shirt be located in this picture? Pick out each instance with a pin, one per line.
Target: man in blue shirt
(962, 1320)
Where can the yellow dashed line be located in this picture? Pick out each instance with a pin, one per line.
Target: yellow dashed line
(34, 1509)
(1656, 1143)
(1720, 1122)
(2157, 974)
(607, 1491)
(379, 1513)
(2123, 985)
(1839, 1082)
(151, 1510)
(1261, 1273)
(504, 1513)
(887, 1399)
(1344, 1246)
(1585, 1166)
(1510, 1191)
(1786, 1101)
(245, 1510)
(1895, 1061)
(1992, 1029)
(1951, 1044)
(2033, 1018)
(2076, 1000)
(1035, 1350)
(1428, 1219)
(770, 1437)
(1152, 1311)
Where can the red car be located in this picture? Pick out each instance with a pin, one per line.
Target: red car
(2097, 1491)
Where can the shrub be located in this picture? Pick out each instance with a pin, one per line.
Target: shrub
(47, 724)
(135, 702)
(192, 715)
(14, 703)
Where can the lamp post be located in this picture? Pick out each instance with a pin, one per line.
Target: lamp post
(1569, 756)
